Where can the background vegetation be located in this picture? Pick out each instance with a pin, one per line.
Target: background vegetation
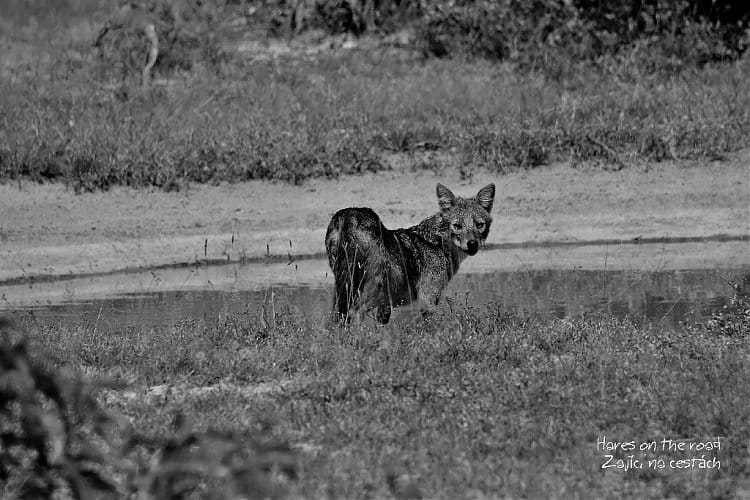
(273, 90)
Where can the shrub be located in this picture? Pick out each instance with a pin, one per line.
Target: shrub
(56, 438)
(340, 16)
(536, 34)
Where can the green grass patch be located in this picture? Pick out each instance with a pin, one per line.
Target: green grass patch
(295, 120)
(472, 403)
(293, 117)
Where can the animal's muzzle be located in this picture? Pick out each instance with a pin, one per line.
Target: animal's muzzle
(472, 247)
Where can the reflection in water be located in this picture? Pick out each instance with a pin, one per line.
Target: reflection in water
(667, 297)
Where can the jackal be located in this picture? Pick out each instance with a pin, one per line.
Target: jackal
(377, 268)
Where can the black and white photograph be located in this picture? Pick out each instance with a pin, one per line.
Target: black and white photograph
(374, 249)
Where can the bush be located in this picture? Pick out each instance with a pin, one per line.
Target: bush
(341, 16)
(538, 34)
(55, 438)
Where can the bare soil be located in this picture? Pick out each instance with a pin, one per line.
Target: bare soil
(49, 230)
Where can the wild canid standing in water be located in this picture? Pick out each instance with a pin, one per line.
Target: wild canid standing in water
(376, 268)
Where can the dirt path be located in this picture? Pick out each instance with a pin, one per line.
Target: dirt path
(48, 230)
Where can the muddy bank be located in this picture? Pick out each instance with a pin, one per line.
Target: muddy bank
(48, 230)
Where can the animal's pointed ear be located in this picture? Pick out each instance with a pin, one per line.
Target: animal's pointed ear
(486, 196)
(446, 199)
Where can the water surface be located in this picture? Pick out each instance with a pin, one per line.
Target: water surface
(667, 297)
(661, 283)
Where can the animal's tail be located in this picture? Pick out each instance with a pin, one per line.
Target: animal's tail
(333, 238)
(347, 264)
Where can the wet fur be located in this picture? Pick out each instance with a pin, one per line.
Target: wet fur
(376, 269)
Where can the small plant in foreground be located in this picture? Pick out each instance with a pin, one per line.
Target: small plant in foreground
(734, 319)
(55, 438)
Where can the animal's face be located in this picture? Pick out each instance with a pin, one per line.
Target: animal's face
(466, 221)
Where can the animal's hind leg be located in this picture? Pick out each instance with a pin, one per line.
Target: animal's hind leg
(340, 306)
(349, 276)
(375, 298)
(345, 302)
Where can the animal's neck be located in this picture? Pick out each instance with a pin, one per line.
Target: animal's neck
(431, 229)
(434, 231)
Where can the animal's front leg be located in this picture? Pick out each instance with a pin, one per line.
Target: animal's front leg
(429, 296)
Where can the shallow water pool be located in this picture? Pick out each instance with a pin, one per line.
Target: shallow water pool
(661, 283)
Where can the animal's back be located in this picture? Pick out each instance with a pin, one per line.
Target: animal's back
(353, 229)
(355, 248)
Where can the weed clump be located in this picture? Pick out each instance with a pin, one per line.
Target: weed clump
(734, 318)
(55, 438)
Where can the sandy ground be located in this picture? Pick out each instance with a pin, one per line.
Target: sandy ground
(48, 230)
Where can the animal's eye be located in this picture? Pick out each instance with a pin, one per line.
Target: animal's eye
(457, 226)
(480, 224)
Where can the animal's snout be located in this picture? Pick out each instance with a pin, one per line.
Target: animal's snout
(472, 247)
